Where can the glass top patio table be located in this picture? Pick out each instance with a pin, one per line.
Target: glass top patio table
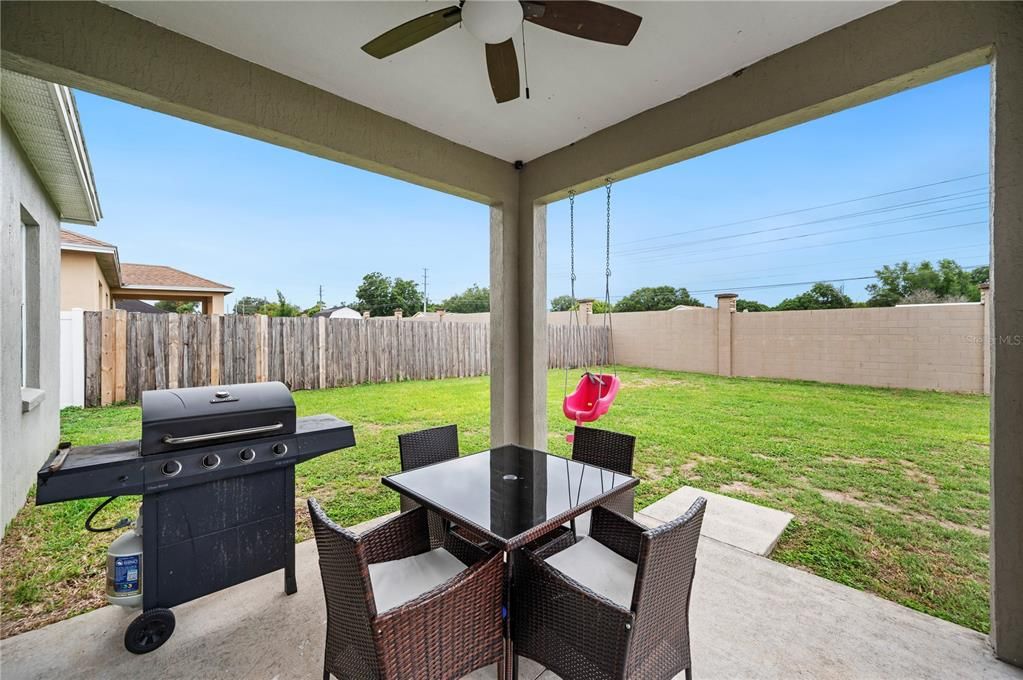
(510, 494)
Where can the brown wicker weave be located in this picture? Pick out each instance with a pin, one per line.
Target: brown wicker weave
(427, 447)
(447, 632)
(611, 450)
(579, 634)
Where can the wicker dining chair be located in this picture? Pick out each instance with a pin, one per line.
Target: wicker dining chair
(397, 609)
(614, 605)
(426, 447)
(611, 450)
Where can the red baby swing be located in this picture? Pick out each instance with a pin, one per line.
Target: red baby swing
(595, 393)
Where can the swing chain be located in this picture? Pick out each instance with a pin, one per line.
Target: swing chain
(571, 239)
(607, 251)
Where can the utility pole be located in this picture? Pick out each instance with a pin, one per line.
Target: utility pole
(320, 301)
(424, 290)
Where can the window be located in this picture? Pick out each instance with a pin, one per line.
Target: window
(30, 278)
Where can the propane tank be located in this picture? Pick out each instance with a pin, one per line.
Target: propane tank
(124, 568)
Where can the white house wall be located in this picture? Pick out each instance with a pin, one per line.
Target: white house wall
(26, 438)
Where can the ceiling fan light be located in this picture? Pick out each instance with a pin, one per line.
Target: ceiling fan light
(492, 21)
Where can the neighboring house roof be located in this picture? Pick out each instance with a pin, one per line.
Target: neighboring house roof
(106, 254)
(73, 238)
(158, 276)
(344, 313)
(44, 118)
(124, 275)
(138, 306)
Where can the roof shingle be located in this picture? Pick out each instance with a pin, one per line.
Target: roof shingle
(75, 238)
(160, 275)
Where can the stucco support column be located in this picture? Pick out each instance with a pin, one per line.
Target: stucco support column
(726, 307)
(1007, 344)
(518, 322)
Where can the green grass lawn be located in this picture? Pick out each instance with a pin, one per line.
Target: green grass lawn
(889, 487)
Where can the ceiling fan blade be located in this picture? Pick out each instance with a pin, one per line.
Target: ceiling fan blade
(503, 68)
(585, 19)
(412, 32)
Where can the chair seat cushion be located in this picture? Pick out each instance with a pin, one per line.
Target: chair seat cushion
(599, 568)
(400, 581)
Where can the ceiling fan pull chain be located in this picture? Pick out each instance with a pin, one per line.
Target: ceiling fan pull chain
(525, 66)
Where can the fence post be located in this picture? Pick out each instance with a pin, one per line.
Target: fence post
(321, 344)
(215, 329)
(77, 357)
(108, 335)
(262, 343)
(586, 310)
(985, 300)
(120, 354)
(726, 307)
(173, 349)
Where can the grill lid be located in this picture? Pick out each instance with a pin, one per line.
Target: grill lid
(196, 416)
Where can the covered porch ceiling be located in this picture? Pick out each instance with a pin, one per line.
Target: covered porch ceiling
(440, 85)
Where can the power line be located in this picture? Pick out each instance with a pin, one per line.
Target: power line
(906, 218)
(950, 252)
(816, 207)
(874, 211)
(832, 243)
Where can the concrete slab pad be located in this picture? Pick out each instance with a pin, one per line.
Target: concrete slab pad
(751, 618)
(748, 526)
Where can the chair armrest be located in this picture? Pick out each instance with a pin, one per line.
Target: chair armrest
(616, 532)
(406, 535)
(448, 631)
(467, 552)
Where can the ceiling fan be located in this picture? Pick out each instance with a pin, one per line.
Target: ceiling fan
(494, 22)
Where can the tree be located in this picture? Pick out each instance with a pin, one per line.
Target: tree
(249, 305)
(947, 281)
(750, 306)
(382, 295)
(820, 296)
(177, 307)
(656, 298)
(980, 274)
(562, 303)
(473, 300)
(280, 308)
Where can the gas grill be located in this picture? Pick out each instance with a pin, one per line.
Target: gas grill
(216, 470)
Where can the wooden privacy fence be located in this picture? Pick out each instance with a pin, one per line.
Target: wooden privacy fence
(127, 353)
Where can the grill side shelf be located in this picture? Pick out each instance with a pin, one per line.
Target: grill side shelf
(91, 472)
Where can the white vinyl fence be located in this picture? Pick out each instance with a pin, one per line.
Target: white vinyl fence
(72, 359)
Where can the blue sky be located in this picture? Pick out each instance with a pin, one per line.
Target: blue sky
(259, 217)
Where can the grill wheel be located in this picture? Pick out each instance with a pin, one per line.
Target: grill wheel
(149, 630)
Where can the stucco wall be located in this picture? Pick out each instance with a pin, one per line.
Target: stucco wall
(923, 347)
(26, 438)
(81, 282)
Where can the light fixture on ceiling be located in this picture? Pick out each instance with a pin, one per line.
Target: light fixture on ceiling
(492, 21)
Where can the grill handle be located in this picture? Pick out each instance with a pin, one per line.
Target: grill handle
(214, 436)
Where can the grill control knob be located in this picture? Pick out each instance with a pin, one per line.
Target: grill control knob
(247, 455)
(171, 468)
(211, 461)
(280, 448)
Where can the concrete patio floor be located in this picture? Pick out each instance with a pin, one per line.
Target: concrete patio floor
(751, 618)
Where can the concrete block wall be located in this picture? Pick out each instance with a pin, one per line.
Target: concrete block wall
(683, 340)
(937, 347)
